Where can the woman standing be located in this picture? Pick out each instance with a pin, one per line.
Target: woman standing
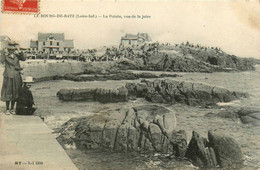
(12, 81)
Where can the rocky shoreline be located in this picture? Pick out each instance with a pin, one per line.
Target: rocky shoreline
(170, 92)
(157, 91)
(178, 61)
(153, 128)
(150, 128)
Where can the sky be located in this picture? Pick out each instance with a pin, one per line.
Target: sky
(232, 26)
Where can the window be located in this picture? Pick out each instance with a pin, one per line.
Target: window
(50, 42)
(129, 41)
(43, 43)
(51, 37)
(58, 43)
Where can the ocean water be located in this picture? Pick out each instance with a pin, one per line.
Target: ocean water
(57, 112)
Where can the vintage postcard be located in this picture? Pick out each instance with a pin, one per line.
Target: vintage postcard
(129, 85)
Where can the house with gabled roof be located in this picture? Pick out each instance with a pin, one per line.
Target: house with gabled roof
(134, 40)
(52, 43)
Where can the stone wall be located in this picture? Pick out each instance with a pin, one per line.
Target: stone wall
(46, 71)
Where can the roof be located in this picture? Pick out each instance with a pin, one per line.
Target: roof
(130, 37)
(144, 36)
(33, 44)
(69, 43)
(45, 36)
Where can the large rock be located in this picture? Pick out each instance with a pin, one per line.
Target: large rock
(67, 131)
(247, 115)
(99, 94)
(250, 115)
(77, 94)
(132, 92)
(250, 120)
(200, 153)
(172, 91)
(185, 58)
(245, 111)
(111, 95)
(219, 150)
(178, 139)
(175, 62)
(229, 114)
(144, 127)
(141, 89)
(227, 150)
(156, 91)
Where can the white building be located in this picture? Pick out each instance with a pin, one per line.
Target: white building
(135, 40)
(52, 42)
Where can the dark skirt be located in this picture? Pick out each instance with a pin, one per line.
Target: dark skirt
(11, 87)
(22, 110)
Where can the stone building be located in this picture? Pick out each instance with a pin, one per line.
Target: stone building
(52, 43)
(134, 40)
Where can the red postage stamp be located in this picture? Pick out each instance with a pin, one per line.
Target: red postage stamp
(20, 6)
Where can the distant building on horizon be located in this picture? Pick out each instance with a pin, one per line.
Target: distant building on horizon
(134, 40)
(52, 42)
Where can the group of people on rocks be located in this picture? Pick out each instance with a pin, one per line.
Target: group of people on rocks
(142, 51)
(199, 47)
(15, 90)
(109, 54)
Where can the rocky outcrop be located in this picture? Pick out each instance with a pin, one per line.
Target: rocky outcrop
(219, 150)
(77, 94)
(227, 150)
(200, 153)
(188, 60)
(250, 115)
(111, 95)
(247, 115)
(149, 128)
(98, 94)
(172, 91)
(156, 91)
(136, 90)
(192, 59)
(222, 59)
(177, 63)
(127, 64)
(228, 114)
(117, 75)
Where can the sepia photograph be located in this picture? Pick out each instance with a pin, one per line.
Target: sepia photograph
(129, 85)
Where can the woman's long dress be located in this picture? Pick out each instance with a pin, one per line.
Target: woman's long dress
(12, 81)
